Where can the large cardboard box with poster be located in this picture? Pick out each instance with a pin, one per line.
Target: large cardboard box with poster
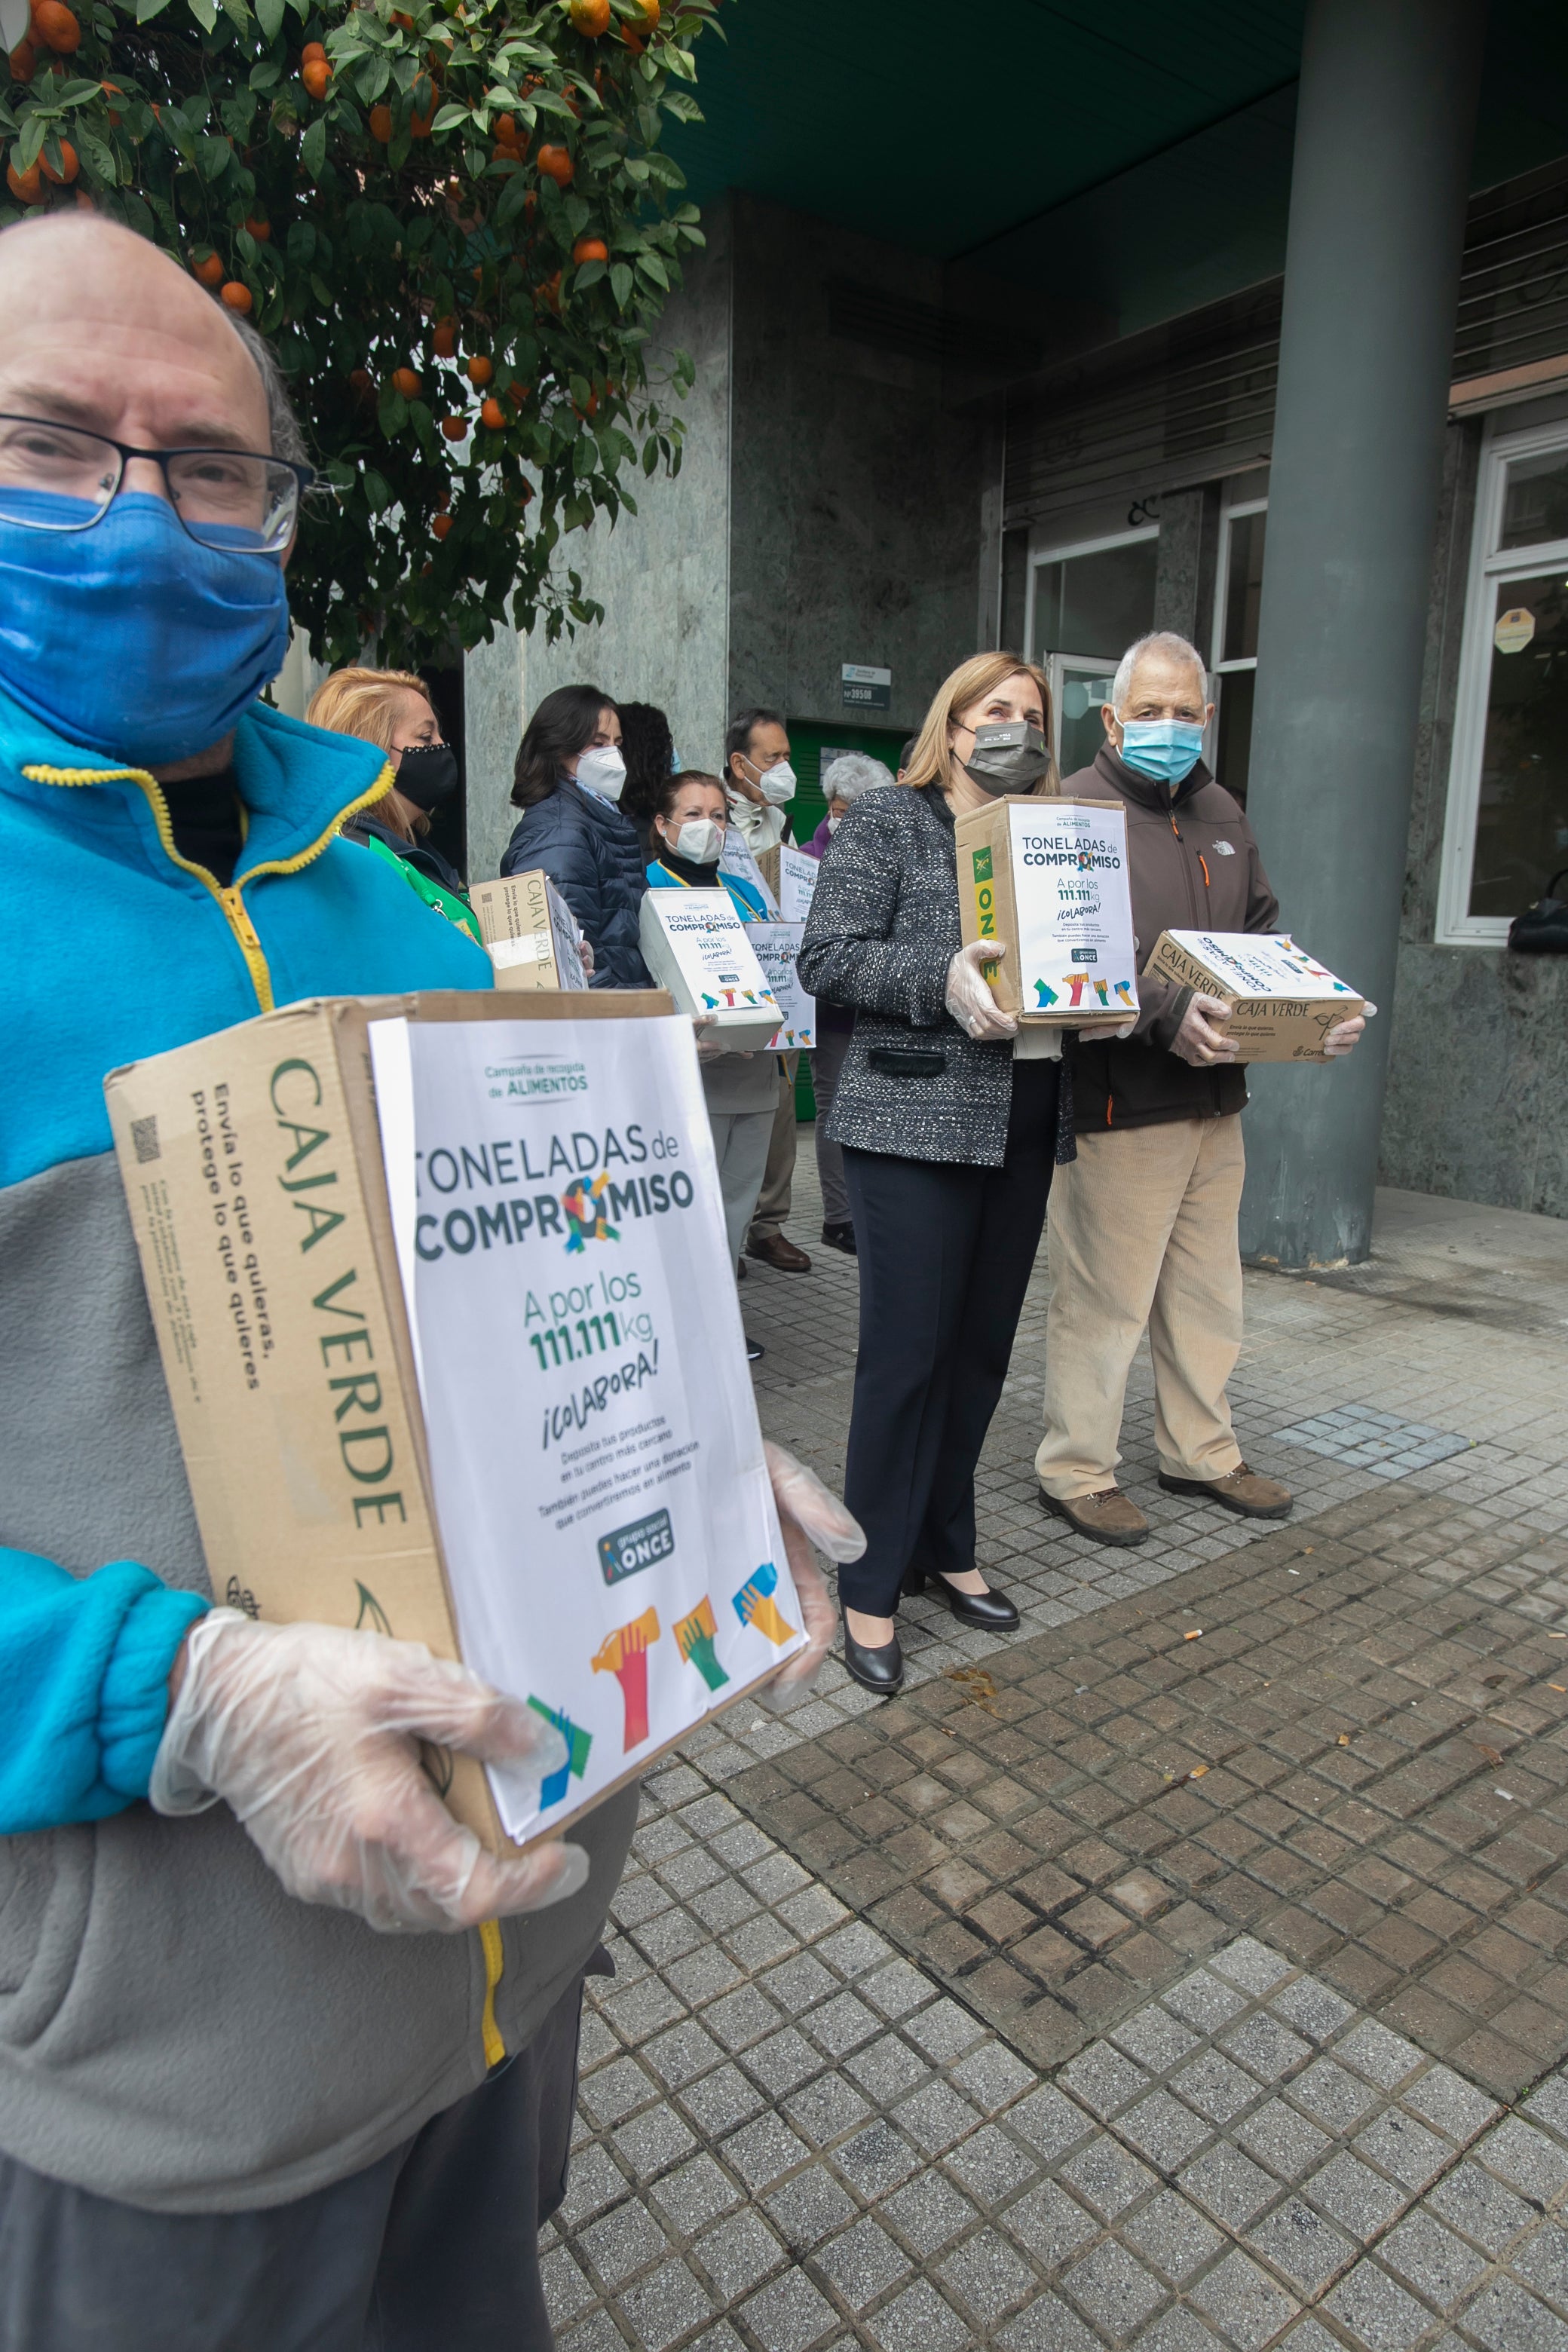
(1048, 878)
(528, 931)
(454, 1350)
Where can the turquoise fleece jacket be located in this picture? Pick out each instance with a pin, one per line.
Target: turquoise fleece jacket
(111, 948)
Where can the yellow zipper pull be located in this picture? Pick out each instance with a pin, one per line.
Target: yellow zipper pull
(243, 929)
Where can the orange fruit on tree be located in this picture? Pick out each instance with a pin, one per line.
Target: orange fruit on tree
(555, 162)
(404, 381)
(649, 15)
(443, 339)
(363, 382)
(441, 524)
(589, 17)
(55, 26)
(402, 20)
(456, 428)
(315, 75)
(210, 268)
(25, 187)
(419, 124)
(239, 297)
(260, 227)
(480, 372)
(380, 124)
(70, 166)
(506, 130)
(311, 50)
(24, 61)
(493, 415)
(590, 248)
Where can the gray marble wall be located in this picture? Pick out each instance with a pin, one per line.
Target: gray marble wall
(856, 495)
(661, 576)
(1479, 1060)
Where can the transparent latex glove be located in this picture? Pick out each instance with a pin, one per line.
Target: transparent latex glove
(968, 996)
(586, 949)
(1341, 1038)
(311, 1735)
(1203, 1036)
(808, 1514)
(1092, 1029)
(708, 1047)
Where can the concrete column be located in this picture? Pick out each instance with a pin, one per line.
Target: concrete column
(1383, 136)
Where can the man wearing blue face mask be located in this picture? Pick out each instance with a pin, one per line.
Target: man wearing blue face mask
(1144, 1224)
(231, 2112)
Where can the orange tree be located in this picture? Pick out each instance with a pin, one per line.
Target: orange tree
(456, 223)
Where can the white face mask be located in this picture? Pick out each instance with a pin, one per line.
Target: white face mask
(699, 839)
(834, 822)
(602, 770)
(776, 783)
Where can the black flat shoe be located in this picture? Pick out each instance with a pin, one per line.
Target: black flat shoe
(881, 1670)
(993, 1611)
(840, 1237)
(755, 1350)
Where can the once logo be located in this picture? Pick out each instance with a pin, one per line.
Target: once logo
(630, 1549)
(985, 897)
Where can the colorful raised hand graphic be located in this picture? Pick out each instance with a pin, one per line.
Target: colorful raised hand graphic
(1077, 981)
(623, 1654)
(578, 1743)
(755, 1605)
(1100, 990)
(1123, 989)
(1047, 995)
(695, 1636)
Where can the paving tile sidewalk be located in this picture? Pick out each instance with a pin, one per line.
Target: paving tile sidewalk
(1271, 2059)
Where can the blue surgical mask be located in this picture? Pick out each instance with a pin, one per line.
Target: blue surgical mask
(131, 639)
(1166, 749)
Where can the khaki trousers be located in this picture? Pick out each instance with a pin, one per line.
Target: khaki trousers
(1144, 1233)
(771, 1212)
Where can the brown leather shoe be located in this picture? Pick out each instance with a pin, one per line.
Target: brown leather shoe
(1241, 1490)
(778, 1250)
(1107, 1517)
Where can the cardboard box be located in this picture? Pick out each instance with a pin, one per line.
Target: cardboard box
(1281, 1002)
(453, 1346)
(1048, 878)
(530, 930)
(695, 945)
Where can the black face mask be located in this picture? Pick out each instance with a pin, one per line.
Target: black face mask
(1009, 759)
(427, 774)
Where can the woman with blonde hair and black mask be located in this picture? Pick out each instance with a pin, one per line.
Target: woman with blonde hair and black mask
(392, 707)
(951, 1120)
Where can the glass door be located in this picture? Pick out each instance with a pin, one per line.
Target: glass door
(1079, 685)
(1087, 604)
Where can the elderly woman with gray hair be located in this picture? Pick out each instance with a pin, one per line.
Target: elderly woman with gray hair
(852, 773)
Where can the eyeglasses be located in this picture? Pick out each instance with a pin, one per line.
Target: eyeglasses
(56, 477)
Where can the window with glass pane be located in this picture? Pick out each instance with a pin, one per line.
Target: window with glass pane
(1522, 819)
(1233, 731)
(1097, 604)
(1535, 500)
(1243, 588)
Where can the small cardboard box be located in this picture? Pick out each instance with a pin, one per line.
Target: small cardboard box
(1281, 1004)
(1048, 878)
(453, 1346)
(529, 929)
(695, 945)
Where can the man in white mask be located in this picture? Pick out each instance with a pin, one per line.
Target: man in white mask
(759, 784)
(759, 780)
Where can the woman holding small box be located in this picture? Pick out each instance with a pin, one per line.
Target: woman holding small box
(951, 1119)
(687, 829)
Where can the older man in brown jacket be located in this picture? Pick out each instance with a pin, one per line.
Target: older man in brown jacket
(1143, 1223)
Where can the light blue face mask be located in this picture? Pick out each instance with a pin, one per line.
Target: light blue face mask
(131, 639)
(1168, 749)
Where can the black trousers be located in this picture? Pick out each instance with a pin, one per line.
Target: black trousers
(946, 1254)
(434, 2248)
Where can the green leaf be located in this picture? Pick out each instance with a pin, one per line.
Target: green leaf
(238, 15)
(448, 118)
(147, 9)
(265, 76)
(374, 76)
(313, 148)
(97, 154)
(269, 16)
(620, 284)
(205, 14)
(77, 93)
(652, 266)
(35, 130)
(213, 156)
(587, 274)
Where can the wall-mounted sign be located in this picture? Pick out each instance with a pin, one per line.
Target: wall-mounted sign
(867, 689)
(1514, 630)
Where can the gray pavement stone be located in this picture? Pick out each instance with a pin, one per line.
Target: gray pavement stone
(862, 2264)
(1244, 2305)
(738, 2253)
(789, 2313)
(809, 2207)
(1431, 2259)
(1173, 2236)
(1376, 2310)
(1113, 2290)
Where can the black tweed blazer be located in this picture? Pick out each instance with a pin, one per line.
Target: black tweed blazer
(882, 930)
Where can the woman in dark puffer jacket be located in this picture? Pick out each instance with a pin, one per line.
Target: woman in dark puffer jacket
(569, 775)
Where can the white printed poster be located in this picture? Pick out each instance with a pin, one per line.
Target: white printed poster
(1076, 946)
(776, 945)
(1261, 963)
(736, 858)
(797, 881)
(608, 1526)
